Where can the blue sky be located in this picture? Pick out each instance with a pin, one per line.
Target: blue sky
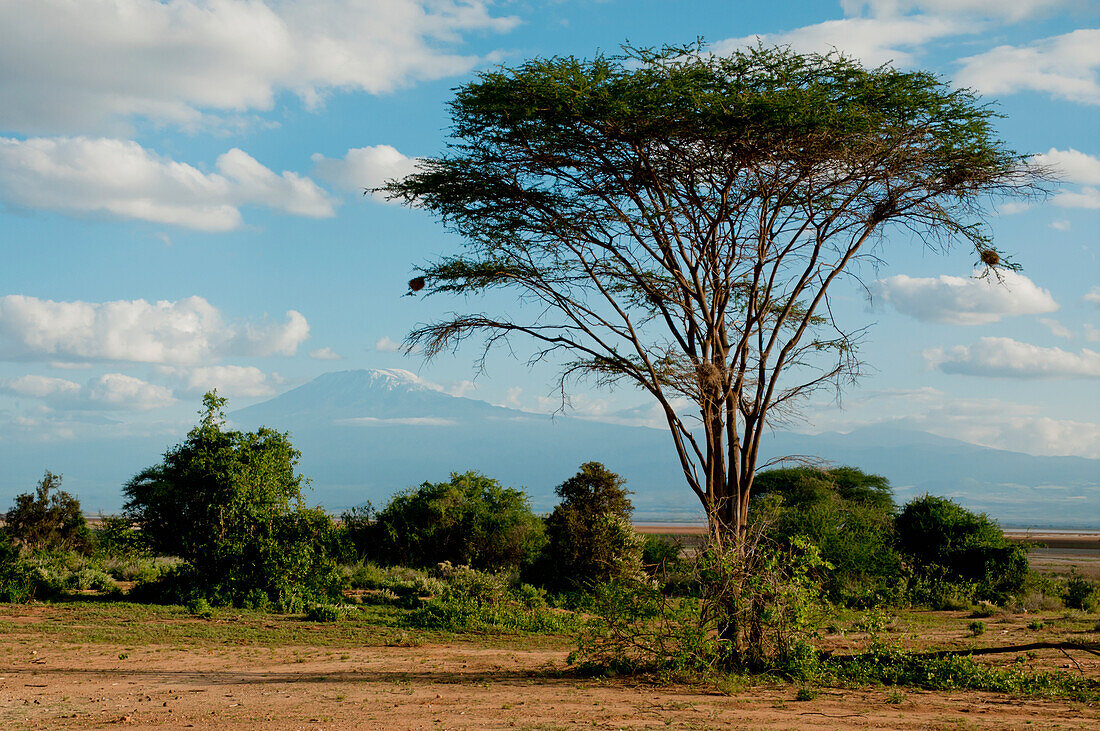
(181, 208)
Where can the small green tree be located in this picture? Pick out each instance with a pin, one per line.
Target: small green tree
(230, 504)
(948, 544)
(471, 520)
(590, 538)
(50, 518)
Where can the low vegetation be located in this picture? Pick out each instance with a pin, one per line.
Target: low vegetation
(221, 525)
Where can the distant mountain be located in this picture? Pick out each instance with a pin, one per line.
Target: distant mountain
(366, 434)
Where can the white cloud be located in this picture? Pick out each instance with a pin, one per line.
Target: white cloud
(230, 380)
(1012, 11)
(873, 41)
(1008, 358)
(1056, 328)
(119, 178)
(325, 354)
(1092, 333)
(111, 392)
(1060, 225)
(964, 301)
(363, 167)
(385, 345)
(403, 421)
(1073, 165)
(1093, 296)
(988, 422)
(78, 66)
(185, 331)
(1083, 198)
(1065, 66)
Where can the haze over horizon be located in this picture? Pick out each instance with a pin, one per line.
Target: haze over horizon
(175, 222)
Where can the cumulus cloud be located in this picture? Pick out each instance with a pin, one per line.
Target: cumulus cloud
(873, 41)
(964, 301)
(1093, 296)
(78, 66)
(363, 167)
(185, 331)
(1065, 66)
(119, 178)
(110, 392)
(1074, 167)
(230, 380)
(1008, 358)
(386, 345)
(325, 354)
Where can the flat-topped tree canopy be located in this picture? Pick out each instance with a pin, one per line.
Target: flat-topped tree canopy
(675, 219)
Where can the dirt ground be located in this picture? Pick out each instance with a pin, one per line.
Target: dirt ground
(53, 680)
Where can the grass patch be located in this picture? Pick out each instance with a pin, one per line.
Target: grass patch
(895, 667)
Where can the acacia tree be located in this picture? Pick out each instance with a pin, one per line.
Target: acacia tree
(675, 220)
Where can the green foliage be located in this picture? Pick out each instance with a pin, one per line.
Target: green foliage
(229, 504)
(115, 536)
(17, 581)
(49, 519)
(849, 516)
(756, 612)
(324, 613)
(471, 520)
(589, 536)
(949, 546)
(977, 628)
(199, 607)
(479, 601)
(1080, 593)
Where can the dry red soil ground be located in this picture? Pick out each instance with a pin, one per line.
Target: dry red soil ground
(57, 680)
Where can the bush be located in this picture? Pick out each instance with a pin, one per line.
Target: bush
(115, 537)
(471, 520)
(755, 613)
(49, 519)
(848, 515)
(948, 544)
(589, 536)
(17, 581)
(229, 504)
(1080, 593)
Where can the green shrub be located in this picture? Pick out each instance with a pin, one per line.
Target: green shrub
(948, 544)
(589, 536)
(323, 613)
(116, 537)
(17, 580)
(471, 520)
(401, 580)
(199, 607)
(229, 504)
(849, 516)
(1080, 593)
(466, 614)
(755, 613)
(977, 628)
